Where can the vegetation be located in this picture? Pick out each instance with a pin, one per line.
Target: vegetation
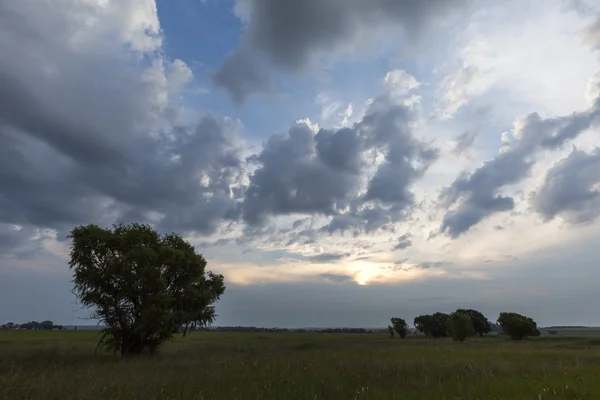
(400, 326)
(49, 365)
(390, 331)
(517, 326)
(460, 326)
(142, 286)
(433, 325)
(32, 326)
(480, 323)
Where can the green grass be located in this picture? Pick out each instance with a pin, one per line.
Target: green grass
(282, 366)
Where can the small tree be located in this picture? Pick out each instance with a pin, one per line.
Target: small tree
(390, 331)
(460, 326)
(400, 326)
(142, 286)
(481, 324)
(517, 326)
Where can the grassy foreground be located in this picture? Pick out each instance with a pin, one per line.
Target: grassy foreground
(282, 366)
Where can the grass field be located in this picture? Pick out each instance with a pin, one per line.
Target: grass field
(210, 365)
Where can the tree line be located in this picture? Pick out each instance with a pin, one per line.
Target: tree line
(32, 326)
(464, 323)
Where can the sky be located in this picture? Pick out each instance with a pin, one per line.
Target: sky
(340, 162)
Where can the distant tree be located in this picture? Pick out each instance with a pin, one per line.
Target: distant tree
(47, 325)
(481, 324)
(31, 326)
(432, 325)
(552, 332)
(8, 325)
(400, 326)
(460, 326)
(142, 286)
(390, 331)
(517, 326)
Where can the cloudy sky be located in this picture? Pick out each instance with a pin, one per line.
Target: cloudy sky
(340, 162)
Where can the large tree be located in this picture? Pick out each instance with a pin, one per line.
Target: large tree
(517, 326)
(480, 323)
(141, 285)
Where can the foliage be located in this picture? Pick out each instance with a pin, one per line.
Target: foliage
(142, 286)
(480, 323)
(517, 326)
(433, 325)
(390, 331)
(400, 326)
(32, 326)
(460, 326)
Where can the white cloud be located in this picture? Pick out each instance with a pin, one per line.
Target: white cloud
(538, 62)
(399, 83)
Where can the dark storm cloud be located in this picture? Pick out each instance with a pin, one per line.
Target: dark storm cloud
(296, 177)
(75, 149)
(571, 188)
(290, 34)
(477, 195)
(303, 172)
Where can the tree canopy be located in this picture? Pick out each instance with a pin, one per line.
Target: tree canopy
(400, 326)
(433, 325)
(481, 324)
(460, 326)
(517, 326)
(142, 286)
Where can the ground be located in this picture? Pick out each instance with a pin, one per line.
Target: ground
(287, 366)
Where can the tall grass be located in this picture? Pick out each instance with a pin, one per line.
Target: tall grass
(207, 365)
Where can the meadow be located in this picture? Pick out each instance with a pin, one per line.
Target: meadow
(221, 365)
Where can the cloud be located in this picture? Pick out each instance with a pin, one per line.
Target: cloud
(292, 35)
(323, 173)
(464, 141)
(337, 278)
(302, 173)
(403, 242)
(591, 34)
(76, 150)
(571, 188)
(477, 195)
(485, 64)
(327, 257)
